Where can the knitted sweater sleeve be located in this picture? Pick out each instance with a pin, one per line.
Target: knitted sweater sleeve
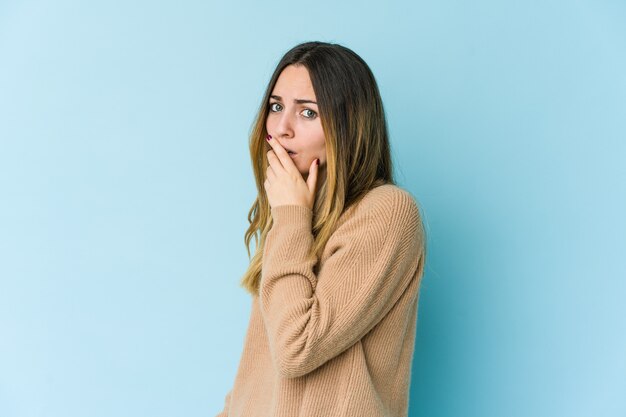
(311, 318)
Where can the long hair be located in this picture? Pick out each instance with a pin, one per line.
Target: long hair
(357, 144)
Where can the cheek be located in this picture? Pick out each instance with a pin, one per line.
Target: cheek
(270, 121)
(319, 141)
(320, 145)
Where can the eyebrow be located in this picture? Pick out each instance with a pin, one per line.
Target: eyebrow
(297, 100)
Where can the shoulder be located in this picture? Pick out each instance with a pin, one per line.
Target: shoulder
(386, 209)
(386, 220)
(390, 200)
(391, 193)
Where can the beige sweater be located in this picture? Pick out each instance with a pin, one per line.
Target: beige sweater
(334, 338)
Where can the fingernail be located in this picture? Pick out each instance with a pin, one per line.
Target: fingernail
(268, 137)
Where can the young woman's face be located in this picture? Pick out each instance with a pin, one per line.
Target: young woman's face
(296, 124)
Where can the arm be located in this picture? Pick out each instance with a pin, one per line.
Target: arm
(312, 318)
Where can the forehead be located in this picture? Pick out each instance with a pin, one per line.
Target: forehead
(294, 81)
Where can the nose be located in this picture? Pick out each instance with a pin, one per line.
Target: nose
(284, 127)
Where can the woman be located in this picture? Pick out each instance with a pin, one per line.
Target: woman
(335, 283)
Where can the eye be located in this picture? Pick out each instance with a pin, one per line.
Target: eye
(312, 114)
(272, 108)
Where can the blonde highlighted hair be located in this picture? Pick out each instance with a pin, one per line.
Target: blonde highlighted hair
(357, 144)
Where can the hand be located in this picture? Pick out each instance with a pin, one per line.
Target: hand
(284, 183)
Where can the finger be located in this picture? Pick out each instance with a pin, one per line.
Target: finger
(311, 180)
(274, 162)
(282, 155)
(270, 174)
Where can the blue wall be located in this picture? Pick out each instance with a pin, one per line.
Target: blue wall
(125, 186)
